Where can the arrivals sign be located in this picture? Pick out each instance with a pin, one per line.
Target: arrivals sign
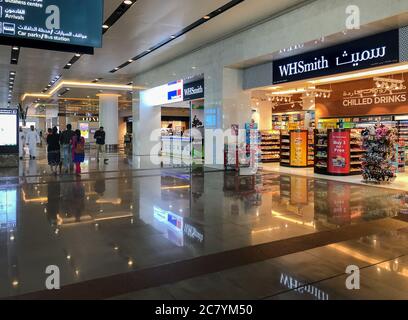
(360, 54)
(65, 25)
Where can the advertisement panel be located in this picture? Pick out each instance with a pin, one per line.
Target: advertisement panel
(339, 152)
(166, 94)
(84, 127)
(298, 148)
(8, 130)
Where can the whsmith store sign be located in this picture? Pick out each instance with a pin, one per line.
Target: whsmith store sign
(194, 90)
(360, 54)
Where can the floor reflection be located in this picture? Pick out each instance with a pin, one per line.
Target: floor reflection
(102, 225)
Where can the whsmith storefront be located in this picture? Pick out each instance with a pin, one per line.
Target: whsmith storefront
(327, 97)
(177, 108)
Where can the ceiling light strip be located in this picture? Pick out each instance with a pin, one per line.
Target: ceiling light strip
(15, 55)
(117, 14)
(194, 25)
(113, 18)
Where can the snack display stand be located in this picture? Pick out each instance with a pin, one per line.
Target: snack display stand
(295, 151)
(270, 146)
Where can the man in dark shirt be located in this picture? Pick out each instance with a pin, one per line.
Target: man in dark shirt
(100, 144)
(65, 141)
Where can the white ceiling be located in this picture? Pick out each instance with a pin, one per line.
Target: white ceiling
(145, 24)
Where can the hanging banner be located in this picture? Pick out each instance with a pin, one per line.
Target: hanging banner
(339, 152)
(62, 25)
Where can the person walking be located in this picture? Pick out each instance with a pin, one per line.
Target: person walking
(53, 150)
(32, 140)
(22, 143)
(65, 141)
(100, 136)
(78, 151)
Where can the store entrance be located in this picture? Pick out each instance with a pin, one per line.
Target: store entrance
(182, 132)
(324, 128)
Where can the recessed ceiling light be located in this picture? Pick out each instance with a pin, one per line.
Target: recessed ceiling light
(130, 60)
(16, 48)
(69, 64)
(105, 26)
(77, 54)
(116, 68)
(206, 17)
(173, 36)
(127, 2)
(12, 73)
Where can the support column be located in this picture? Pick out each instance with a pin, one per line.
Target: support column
(109, 119)
(146, 127)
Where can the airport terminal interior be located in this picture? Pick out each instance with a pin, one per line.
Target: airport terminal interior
(204, 150)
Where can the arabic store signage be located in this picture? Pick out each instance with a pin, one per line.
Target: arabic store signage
(360, 54)
(36, 23)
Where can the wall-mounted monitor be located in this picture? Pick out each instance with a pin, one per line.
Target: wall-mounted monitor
(8, 131)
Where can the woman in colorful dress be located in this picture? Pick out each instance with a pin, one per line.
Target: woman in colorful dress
(78, 151)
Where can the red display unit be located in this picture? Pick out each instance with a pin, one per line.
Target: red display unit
(339, 152)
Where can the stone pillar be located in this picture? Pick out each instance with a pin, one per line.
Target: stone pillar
(109, 119)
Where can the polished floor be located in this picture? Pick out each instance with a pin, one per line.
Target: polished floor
(135, 230)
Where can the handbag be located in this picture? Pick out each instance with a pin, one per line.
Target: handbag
(80, 148)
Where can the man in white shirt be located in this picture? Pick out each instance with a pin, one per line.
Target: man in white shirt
(32, 139)
(22, 143)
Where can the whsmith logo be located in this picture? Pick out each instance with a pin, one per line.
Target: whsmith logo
(300, 67)
(194, 90)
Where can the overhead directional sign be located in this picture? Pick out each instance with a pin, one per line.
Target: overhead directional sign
(63, 25)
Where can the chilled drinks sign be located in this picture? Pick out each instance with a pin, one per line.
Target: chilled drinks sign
(365, 53)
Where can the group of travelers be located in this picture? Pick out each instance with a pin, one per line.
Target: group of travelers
(65, 150)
